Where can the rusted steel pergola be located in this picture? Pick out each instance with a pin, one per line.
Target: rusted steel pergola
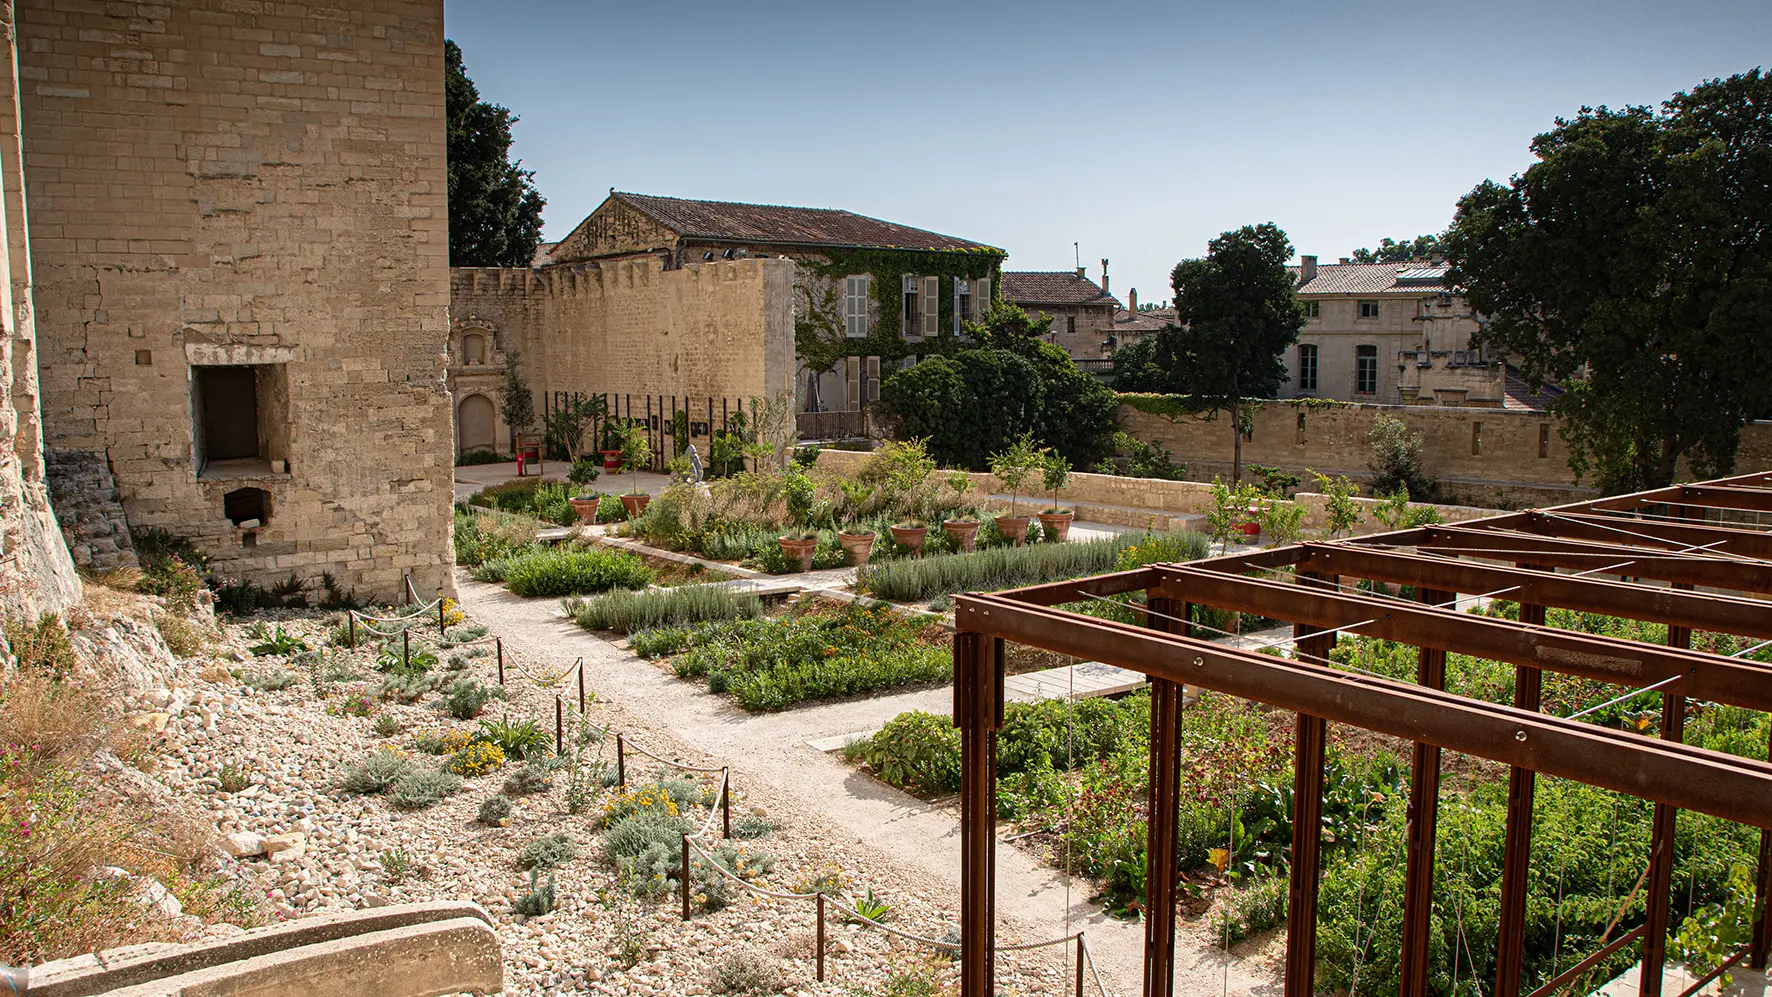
(1642, 556)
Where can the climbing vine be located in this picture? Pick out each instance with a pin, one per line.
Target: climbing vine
(819, 335)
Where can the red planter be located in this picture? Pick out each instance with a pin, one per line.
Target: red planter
(1013, 527)
(1057, 525)
(611, 459)
(964, 532)
(859, 546)
(586, 509)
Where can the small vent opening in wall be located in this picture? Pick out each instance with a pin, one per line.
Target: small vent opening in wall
(247, 505)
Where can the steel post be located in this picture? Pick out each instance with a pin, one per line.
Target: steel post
(1510, 945)
(1310, 743)
(1661, 845)
(1162, 834)
(978, 712)
(1423, 818)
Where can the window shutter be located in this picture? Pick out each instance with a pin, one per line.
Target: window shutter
(931, 302)
(871, 393)
(956, 296)
(852, 381)
(981, 299)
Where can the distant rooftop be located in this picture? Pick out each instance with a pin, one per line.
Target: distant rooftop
(1415, 277)
(1063, 287)
(774, 224)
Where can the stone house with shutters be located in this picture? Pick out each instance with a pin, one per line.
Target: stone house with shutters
(676, 299)
(1393, 334)
(1082, 311)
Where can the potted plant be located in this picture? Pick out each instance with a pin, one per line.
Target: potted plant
(584, 497)
(636, 452)
(858, 543)
(963, 529)
(1013, 467)
(800, 496)
(799, 547)
(1056, 522)
(611, 449)
(910, 465)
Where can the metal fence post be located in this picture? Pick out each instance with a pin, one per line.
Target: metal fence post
(441, 626)
(405, 648)
(819, 942)
(621, 761)
(685, 877)
(581, 684)
(559, 726)
(1081, 955)
(726, 800)
(500, 642)
(351, 629)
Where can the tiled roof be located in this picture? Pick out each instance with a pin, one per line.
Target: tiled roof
(1519, 395)
(1373, 278)
(1064, 287)
(1154, 320)
(729, 221)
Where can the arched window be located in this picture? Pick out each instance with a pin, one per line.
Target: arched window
(473, 348)
(475, 428)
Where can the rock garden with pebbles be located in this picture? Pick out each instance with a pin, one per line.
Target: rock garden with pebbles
(343, 777)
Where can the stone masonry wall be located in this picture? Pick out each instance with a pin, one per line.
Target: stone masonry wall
(227, 182)
(1502, 458)
(36, 574)
(630, 326)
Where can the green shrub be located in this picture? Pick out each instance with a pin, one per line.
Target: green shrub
(534, 777)
(406, 687)
(476, 457)
(374, 773)
(747, 974)
(771, 664)
(548, 852)
(563, 571)
(518, 739)
(493, 810)
(647, 849)
(488, 535)
(538, 899)
(270, 681)
(465, 698)
(917, 579)
(421, 788)
(751, 826)
(626, 612)
(916, 751)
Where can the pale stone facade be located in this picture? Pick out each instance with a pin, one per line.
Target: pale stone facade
(664, 303)
(1390, 334)
(36, 573)
(239, 241)
(1081, 310)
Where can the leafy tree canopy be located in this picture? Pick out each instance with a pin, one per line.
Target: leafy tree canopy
(1391, 251)
(1633, 263)
(973, 402)
(494, 208)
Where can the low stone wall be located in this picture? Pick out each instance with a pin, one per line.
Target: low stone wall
(1153, 503)
(1498, 458)
(409, 950)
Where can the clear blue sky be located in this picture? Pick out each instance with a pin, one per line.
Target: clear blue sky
(1138, 130)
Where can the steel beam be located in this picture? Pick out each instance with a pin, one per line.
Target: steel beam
(1723, 614)
(1576, 555)
(1648, 532)
(1423, 821)
(1707, 676)
(1310, 746)
(978, 712)
(1708, 494)
(1516, 859)
(1688, 777)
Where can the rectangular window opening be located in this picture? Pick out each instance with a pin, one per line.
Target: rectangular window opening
(1476, 439)
(855, 306)
(1313, 309)
(1544, 439)
(1366, 370)
(1368, 309)
(911, 315)
(239, 417)
(962, 304)
(1307, 367)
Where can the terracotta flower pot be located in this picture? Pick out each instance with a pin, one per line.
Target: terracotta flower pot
(611, 459)
(964, 532)
(1013, 527)
(635, 504)
(800, 549)
(586, 509)
(911, 537)
(1057, 525)
(859, 546)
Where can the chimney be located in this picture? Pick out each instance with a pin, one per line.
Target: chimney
(1132, 301)
(1307, 270)
(1083, 272)
(1104, 284)
(1345, 261)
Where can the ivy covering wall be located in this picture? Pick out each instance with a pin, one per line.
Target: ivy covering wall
(818, 332)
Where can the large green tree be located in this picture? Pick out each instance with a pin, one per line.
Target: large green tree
(1237, 314)
(1392, 251)
(973, 402)
(1631, 263)
(494, 208)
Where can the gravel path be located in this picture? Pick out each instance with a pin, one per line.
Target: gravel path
(769, 753)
